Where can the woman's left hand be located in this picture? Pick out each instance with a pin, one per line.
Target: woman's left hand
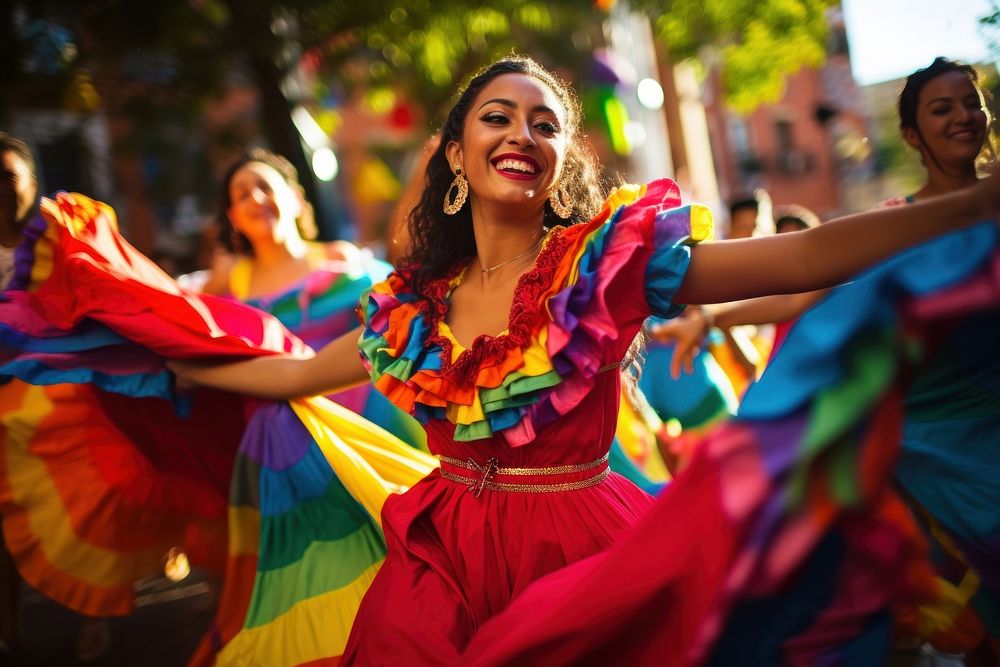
(686, 333)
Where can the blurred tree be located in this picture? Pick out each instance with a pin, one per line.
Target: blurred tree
(152, 67)
(155, 64)
(759, 42)
(989, 26)
(425, 49)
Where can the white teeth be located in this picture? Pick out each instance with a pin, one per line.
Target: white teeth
(516, 165)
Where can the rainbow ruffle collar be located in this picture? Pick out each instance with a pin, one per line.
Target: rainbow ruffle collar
(505, 385)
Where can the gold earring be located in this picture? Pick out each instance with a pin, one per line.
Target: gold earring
(462, 186)
(559, 206)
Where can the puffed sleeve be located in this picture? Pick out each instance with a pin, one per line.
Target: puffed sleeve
(629, 262)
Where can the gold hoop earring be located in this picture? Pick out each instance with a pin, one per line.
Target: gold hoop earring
(461, 186)
(557, 200)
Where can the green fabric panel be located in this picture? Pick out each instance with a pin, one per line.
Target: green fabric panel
(515, 402)
(244, 486)
(383, 362)
(370, 346)
(869, 365)
(843, 475)
(325, 566)
(711, 409)
(517, 385)
(478, 431)
(332, 516)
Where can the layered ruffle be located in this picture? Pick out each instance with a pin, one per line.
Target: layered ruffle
(100, 475)
(571, 315)
(322, 307)
(99, 446)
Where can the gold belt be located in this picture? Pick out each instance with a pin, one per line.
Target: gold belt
(487, 472)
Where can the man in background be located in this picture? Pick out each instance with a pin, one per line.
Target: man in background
(18, 199)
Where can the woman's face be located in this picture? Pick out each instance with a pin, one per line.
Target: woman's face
(514, 142)
(262, 205)
(951, 119)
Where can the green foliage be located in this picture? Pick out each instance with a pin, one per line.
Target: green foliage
(760, 42)
(893, 157)
(989, 26)
(158, 64)
(427, 50)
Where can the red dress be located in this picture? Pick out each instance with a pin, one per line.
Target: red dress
(528, 416)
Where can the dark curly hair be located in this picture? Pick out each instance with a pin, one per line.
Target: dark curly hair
(438, 241)
(909, 97)
(231, 239)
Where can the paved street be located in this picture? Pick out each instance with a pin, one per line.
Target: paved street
(171, 619)
(163, 631)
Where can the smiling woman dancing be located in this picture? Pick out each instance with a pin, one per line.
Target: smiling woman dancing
(498, 334)
(502, 333)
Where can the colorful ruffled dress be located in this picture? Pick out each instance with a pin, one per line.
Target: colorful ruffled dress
(322, 307)
(103, 467)
(949, 473)
(950, 476)
(522, 423)
(784, 541)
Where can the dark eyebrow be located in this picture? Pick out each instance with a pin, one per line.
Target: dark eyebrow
(512, 105)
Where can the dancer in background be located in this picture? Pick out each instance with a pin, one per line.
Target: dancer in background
(953, 406)
(97, 489)
(108, 468)
(264, 224)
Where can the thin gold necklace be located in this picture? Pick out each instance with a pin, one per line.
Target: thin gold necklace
(530, 250)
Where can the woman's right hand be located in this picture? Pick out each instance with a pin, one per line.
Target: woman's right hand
(186, 373)
(687, 333)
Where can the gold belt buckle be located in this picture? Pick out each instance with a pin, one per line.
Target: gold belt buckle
(486, 471)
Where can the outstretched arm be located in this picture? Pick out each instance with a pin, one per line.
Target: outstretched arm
(689, 330)
(831, 253)
(336, 367)
(764, 310)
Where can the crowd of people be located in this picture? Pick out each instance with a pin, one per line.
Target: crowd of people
(436, 483)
